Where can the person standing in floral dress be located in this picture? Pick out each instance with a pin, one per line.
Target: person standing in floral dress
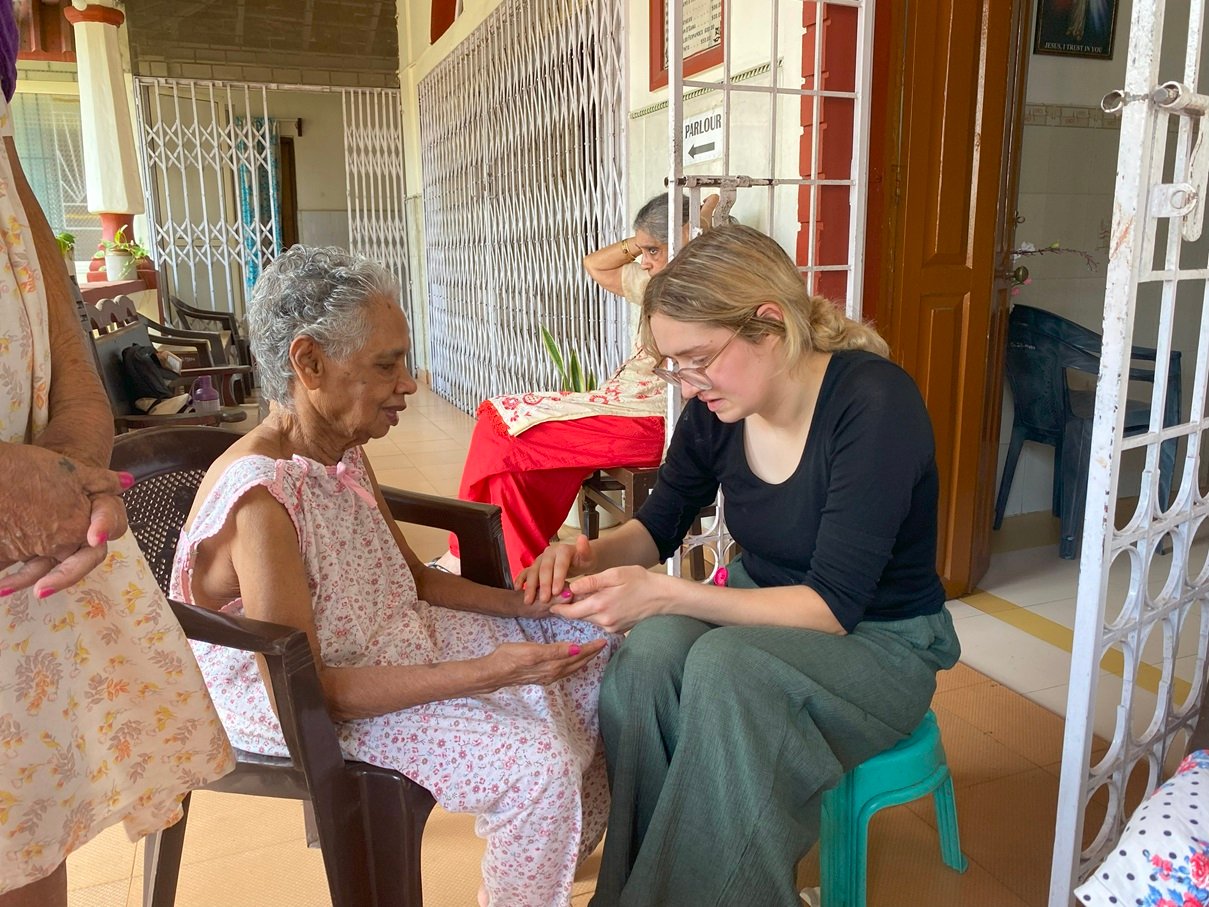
(104, 716)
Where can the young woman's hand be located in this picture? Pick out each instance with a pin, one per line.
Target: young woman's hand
(545, 580)
(518, 663)
(617, 598)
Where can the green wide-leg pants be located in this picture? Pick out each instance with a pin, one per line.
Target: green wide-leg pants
(721, 740)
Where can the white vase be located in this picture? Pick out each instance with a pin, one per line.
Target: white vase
(119, 265)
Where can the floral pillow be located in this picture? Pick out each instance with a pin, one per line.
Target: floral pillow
(1162, 859)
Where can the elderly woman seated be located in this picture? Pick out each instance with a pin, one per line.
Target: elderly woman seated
(487, 703)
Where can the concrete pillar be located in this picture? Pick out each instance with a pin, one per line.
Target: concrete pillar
(111, 171)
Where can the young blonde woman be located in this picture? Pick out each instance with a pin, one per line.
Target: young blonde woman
(730, 708)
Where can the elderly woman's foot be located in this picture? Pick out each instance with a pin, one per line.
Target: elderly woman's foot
(448, 562)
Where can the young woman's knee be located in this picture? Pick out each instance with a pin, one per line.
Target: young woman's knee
(652, 655)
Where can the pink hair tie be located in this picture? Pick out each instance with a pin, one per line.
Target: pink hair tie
(720, 576)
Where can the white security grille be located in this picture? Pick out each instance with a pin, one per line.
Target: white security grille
(373, 164)
(521, 130)
(208, 160)
(211, 174)
(1136, 604)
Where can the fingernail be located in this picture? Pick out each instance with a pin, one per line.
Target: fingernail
(126, 479)
(572, 649)
(102, 538)
(567, 593)
(6, 591)
(46, 593)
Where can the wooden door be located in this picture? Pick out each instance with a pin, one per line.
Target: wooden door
(951, 96)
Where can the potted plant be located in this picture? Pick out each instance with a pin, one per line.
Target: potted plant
(570, 372)
(120, 254)
(572, 377)
(67, 246)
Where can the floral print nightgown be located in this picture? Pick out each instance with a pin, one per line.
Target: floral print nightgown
(525, 760)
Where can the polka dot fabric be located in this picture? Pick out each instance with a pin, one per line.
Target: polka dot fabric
(1162, 859)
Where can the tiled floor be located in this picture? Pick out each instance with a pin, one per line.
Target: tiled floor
(1003, 748)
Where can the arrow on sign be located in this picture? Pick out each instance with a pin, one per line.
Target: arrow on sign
(700, 149)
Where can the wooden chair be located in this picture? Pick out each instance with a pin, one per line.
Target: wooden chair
(192, 318)
(369, 820)
(114, 325)
(634, 484)
(206, 349)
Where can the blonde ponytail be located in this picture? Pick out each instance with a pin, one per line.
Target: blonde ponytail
(723, 276)
(831, 329)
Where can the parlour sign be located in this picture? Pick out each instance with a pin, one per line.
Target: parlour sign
(703, 137)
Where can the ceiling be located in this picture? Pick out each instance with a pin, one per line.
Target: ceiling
(356, 35)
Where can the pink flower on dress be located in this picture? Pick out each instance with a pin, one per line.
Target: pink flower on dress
(1198, 867)
(1164, 868)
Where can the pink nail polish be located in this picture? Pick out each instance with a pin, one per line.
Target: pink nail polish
(126, 479)
(6, 591)
(102, 538)
(46, 593)
(567, 593)
(573, 649)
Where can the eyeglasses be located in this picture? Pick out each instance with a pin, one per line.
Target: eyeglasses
(696, 375)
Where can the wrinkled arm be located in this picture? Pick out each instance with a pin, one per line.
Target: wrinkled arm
(445, 589)
(81, 422)
(605, 264)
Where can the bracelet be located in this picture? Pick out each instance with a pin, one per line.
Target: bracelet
(626, 249)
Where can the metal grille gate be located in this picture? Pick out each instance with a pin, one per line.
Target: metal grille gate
(197, 137)
(209, 175)
(521, 138)
(373, 164)
(1133, 601)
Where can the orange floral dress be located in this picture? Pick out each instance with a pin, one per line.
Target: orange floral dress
(104, 715)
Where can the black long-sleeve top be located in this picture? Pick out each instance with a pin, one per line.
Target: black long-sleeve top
(856, 522)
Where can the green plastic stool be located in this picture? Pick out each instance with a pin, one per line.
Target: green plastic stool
(909, 770)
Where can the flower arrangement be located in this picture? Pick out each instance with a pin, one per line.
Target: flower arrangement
(571, 374)
(1019, 277)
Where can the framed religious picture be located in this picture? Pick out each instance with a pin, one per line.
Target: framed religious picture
(1076, 28)
(702, 32)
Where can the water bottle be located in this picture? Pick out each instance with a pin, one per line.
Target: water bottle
(205, 396)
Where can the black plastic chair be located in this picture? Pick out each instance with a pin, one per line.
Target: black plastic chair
(1041, 348)
(368, 820)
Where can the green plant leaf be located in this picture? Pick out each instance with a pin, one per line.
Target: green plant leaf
(555, 355)
(577, 377)
(590, 382)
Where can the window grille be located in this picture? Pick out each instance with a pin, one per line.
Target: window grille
(46, 131)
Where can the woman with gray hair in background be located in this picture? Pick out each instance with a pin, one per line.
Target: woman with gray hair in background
(530, 452)
(488, 704)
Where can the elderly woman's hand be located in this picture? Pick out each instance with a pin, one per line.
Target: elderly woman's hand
(56, 514)
(518, 663)
(545, 579)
